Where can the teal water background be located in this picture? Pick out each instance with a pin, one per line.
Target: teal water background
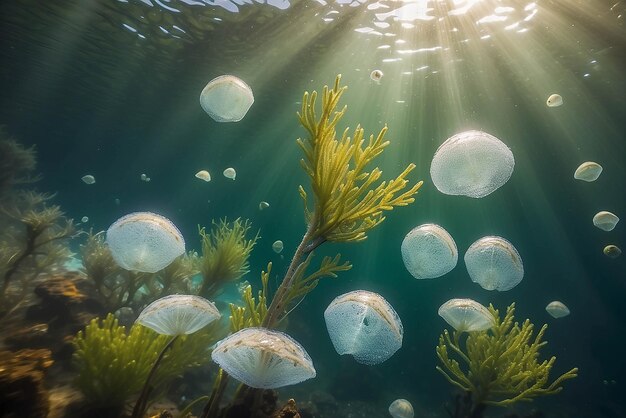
(95, 100)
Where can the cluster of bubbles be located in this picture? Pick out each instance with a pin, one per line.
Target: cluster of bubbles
(473, 164)
(360, 323)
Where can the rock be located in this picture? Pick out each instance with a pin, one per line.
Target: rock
(66, 302)
(60, 289)
(34, 336)
(163, 409)
(62, 398)
(22, 392)
(289, 410)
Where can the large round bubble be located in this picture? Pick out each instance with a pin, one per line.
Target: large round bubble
(263, 359)
(557, 309)
(466, 315)
(588, 171)
(471, 163)
(226, 98)
(494, 264)
(606, 221)
(145, 242)
(178, 314)
(428, 251)
(401, 408)
(365, 325)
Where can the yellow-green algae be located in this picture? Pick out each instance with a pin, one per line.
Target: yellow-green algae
(225, 253)
(113, 364)
(348, 197)
(499, 366)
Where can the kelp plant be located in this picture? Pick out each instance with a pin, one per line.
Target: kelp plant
(499, 366)
(348, 200)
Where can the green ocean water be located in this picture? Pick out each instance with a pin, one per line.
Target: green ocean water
(94, 98)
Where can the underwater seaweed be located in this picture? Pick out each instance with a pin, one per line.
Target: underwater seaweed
(33, 234)
(348, 200)
(113, 364)
(225, 254)
(32, 242)
(502, 364)
(16, 163)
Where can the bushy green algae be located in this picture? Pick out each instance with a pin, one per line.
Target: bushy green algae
(113, 364)
(225, 253)
(499, 366)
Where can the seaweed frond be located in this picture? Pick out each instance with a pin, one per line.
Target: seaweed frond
(113, 364)
(253, 313)
(97, 259)
(225, 253)
(499, 366)
(348, 202)
(304, 283)
(16, 162)
(33, 241)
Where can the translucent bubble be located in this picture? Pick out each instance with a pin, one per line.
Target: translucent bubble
(588, 171)
(178, 314)
(144, 241)
(376, 75)
(494, 264)
(277, 246)
(606, 221)
(263, 359)
(428, 251)
(230, 173)
(471, 163)
(365, 325)
(88, 179)
(401, 408)
(203, 175)
(612, 251)
(557, 309)
(466, 315)
(226, 98)
(554, 100)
